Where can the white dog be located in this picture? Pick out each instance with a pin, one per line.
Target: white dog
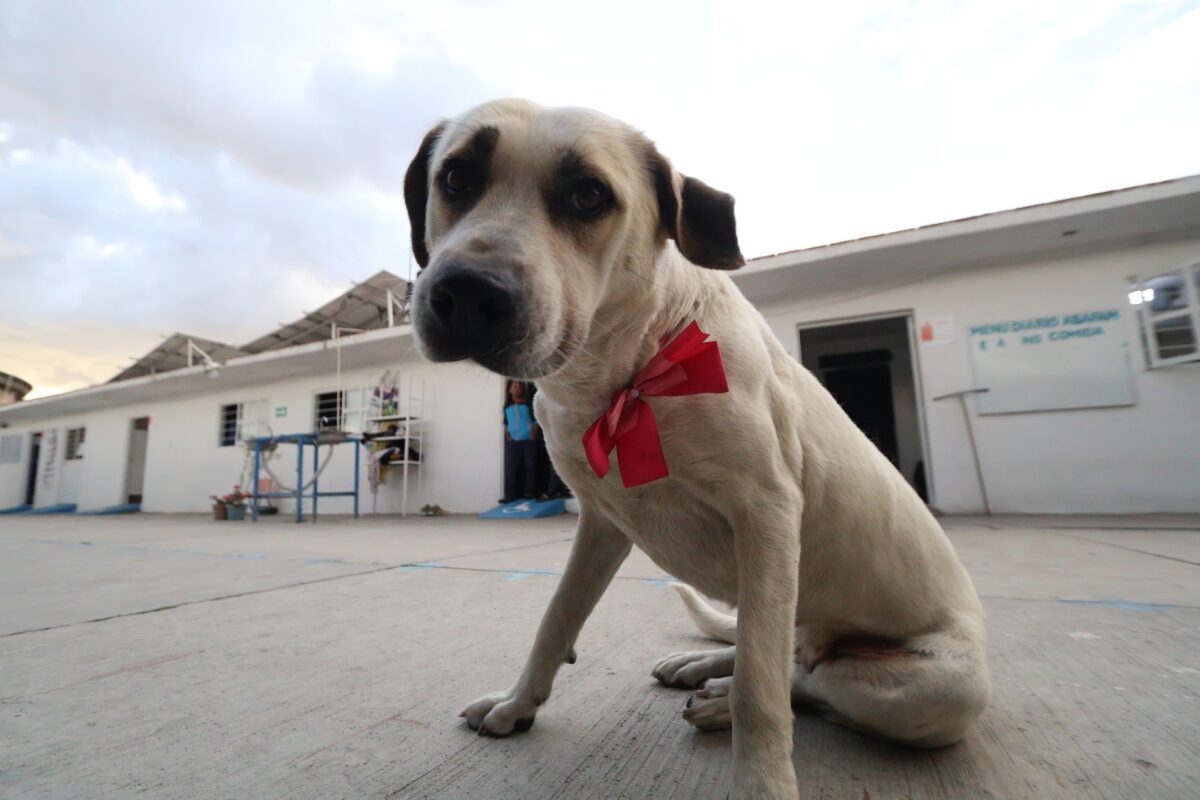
(559, 246)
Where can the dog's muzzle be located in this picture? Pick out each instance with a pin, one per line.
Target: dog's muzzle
(470, 312)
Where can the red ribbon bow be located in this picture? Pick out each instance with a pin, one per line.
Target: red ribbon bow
(687, 365)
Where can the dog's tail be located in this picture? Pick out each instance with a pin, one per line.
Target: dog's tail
(712, 623)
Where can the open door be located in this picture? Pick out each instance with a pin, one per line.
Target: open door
(868, 366)
(35, 451)
(135, 464)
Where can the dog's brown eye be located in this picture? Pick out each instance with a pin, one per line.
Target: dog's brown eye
(457, 180)
(589, 198)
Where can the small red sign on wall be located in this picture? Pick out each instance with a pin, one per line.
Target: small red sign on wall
(937, 330)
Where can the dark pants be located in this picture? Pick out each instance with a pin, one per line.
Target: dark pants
(520, 469)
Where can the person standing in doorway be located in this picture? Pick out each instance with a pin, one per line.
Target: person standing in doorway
(520, 445)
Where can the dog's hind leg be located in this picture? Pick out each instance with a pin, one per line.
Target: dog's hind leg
(925, 693)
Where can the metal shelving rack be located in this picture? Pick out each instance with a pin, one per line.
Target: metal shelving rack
(410, 433)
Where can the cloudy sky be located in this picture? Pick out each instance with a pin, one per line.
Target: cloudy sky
(215, 167)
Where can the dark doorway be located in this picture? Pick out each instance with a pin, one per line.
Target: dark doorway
(862, 384)
(868, 367)
(541, 459)
(547, 483)
(135, 465)
(35, 450)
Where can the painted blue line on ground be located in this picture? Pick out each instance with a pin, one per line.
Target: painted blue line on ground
(1124, 605)
(529, 573)
(660, 583)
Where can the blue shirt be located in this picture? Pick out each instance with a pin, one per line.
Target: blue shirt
(518, 419)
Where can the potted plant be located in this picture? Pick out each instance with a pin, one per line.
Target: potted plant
(218, 508)
(235, 504)
(231, 506)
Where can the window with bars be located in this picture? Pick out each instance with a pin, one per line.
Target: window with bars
(75, 437)
(340, 410)
(241, 421)
(1168, 309)
(227, 436)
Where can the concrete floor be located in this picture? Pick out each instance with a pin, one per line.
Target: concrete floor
(172, 657)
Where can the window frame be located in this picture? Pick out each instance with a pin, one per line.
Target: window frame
(249, 420)
(1189, 273)
(75, 439)
(351, 408)
(226, 433)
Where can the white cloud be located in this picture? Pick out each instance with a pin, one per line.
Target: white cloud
(10, 249)
(372, 50)
(94, 248)
(146, 192)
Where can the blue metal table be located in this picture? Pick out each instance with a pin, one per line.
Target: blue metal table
(301, 440)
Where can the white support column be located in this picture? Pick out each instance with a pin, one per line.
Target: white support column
(193, 348)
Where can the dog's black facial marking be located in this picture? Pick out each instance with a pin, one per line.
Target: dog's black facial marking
(463, 174)
(578, 194)
(662, 174)
(416, 193)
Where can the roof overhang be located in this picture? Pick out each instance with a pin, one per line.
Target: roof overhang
(1120, 218)
(365, 350)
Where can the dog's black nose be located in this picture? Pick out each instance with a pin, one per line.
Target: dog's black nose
(476, 307)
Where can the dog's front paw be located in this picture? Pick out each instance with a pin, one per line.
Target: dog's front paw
(499, 714)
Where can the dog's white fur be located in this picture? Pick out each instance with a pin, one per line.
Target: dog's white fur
(849, 595)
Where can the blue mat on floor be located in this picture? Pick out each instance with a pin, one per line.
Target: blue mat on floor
(124, 508)
(58, 508)
(526, 509)
(16, 509)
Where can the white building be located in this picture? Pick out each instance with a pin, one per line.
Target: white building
(1080, 318)
(166, 432)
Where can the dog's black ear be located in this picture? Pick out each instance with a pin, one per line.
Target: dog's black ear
(416, 193)
(698, 217)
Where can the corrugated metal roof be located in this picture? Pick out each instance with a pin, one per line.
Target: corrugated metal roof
(363, 308)
(173, 354)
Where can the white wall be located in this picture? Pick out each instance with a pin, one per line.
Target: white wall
(12, 476)
(463, 450)
(1140, 458)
